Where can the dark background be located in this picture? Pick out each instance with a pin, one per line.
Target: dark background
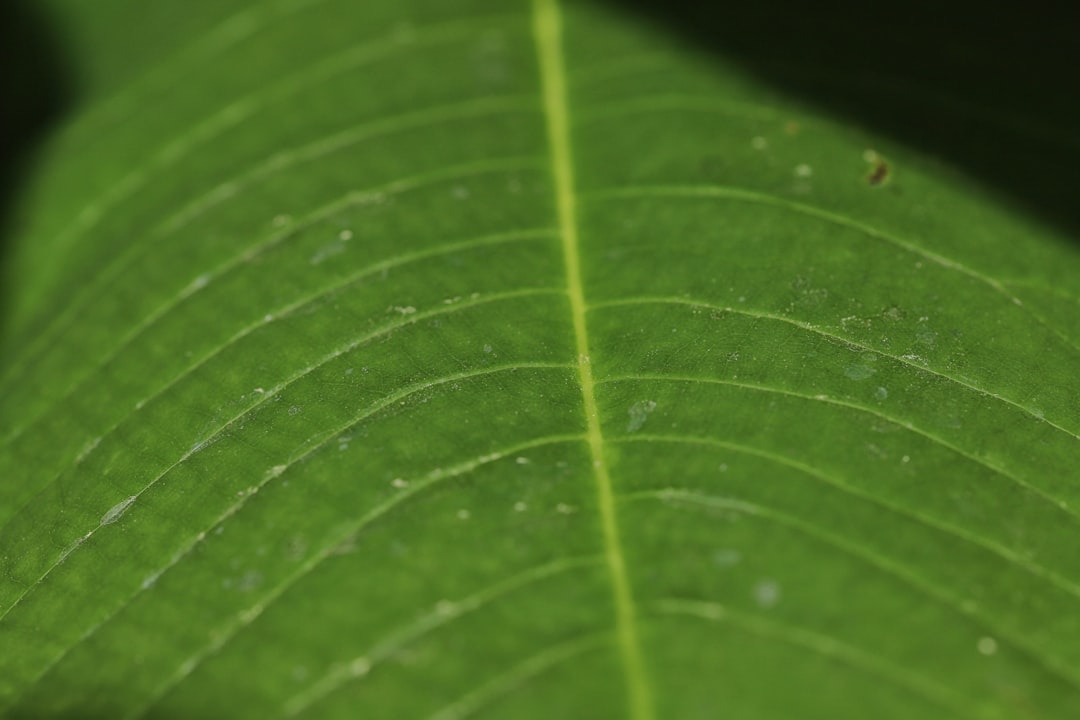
(35, 91)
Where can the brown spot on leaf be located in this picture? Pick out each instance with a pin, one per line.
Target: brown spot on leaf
(879, 172)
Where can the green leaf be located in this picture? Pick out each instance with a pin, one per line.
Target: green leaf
(453, 358)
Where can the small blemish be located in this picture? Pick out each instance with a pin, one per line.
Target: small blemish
(198, 283)
(87, 449)
(987, 645)
(117, 511)
(859, 372)
(767, 593)
(639, 413)
(759, 143)
(359, 667)
(803, 170)
(879, 169)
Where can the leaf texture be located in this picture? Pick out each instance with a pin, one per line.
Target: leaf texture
(518, 359)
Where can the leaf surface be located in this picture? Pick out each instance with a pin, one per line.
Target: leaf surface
(473, 358)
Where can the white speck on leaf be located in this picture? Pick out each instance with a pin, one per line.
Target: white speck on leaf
(117, 510)
(71, 548)
(759, 143)
(360, 667)
(987, 645)
(197, 284)
(639, 413)
(767, 593)
(87, 449)
(335, 248)
(463, 514)
(859, 372)
(803, 170)
(400, 483)
(881, 393)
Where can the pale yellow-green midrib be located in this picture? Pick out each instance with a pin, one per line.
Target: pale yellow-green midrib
(547, 24)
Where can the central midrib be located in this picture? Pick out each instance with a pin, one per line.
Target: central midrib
(547, 26)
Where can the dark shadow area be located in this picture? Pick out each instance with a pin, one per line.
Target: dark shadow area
(35, 90)
(990, 88)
